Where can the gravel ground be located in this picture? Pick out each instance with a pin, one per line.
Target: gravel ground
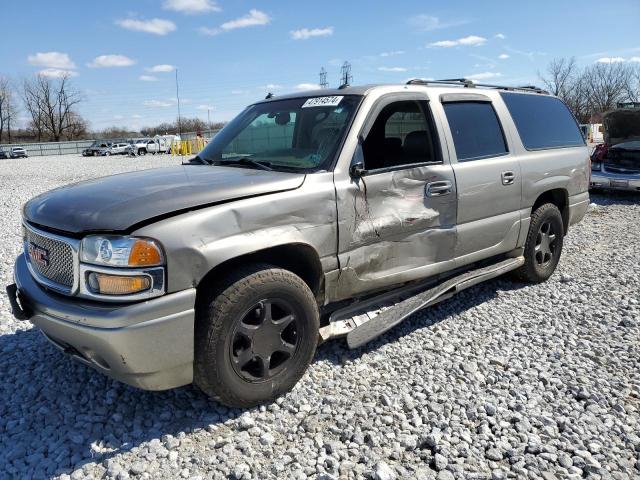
(503, 381)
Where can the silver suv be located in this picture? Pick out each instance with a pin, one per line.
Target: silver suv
(305, 209)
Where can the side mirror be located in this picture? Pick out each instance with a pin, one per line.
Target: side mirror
(357, 170)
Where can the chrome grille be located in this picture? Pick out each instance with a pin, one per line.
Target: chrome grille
(58, 266)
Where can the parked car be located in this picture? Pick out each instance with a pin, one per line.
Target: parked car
(96, 149)
(228, 270)
(18, 152)
(115, 149)
(615, 164)
(4, 154)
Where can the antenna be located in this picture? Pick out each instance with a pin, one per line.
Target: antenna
(323, 78)
(345, 74)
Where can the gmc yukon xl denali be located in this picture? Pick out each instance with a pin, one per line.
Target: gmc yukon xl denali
(228, 270)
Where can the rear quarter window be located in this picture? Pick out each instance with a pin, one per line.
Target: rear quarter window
(542, 121)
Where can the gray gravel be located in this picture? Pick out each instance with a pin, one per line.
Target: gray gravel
(503, 381)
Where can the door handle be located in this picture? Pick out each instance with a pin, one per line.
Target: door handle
(437, 189)
(508, 177)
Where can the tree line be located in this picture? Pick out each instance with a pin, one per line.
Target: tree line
(51, 108)
(593, 90)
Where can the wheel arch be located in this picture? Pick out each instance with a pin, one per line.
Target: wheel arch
(299, 258)
(560, 198)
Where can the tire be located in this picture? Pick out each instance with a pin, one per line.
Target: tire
(234, 333)
(142, 151)
(543, 246)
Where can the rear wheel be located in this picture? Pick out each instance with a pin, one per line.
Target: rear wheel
(255, 336)
(543, 246)
(142, 151)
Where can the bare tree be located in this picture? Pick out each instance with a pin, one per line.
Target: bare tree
(606, 84)
(561, 76)
(633, 87)
(51, 104)
(8, 107)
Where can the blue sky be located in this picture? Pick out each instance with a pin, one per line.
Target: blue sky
(231, 53)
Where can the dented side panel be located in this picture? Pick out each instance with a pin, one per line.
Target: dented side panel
(390, 231)
(197, 241)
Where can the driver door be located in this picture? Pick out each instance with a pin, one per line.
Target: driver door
(397, 219)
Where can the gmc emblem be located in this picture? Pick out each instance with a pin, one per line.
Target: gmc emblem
(38, 255)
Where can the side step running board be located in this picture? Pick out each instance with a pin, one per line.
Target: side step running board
(358, 333)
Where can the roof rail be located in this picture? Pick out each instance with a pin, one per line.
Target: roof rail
(466, 83)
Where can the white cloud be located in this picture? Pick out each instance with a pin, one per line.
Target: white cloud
(57, 73)
(611, 60)
(503, 56)
(471, 40)
(191, 7)
(307, 86)
(51, 60)
(392, 69)
(483, 76)
(306, 33)
(118, 117)
(148, 78)
(163, 68)
(427, 23)
(108, 61)
(157, 26)
(253, 18)
(634, 59)
(157, 103)
(392, 54)
(135, 115)
(238, 92)
(500, 36)
(204, 107)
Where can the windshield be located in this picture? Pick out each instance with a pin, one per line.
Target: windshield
(297, 134)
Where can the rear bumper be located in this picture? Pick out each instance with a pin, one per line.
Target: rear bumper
(148, 345)
(615, 181)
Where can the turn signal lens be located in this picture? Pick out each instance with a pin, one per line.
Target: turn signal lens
(144, 253)
(104, 284)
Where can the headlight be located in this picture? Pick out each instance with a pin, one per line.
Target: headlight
(596, 166)
(120, 251)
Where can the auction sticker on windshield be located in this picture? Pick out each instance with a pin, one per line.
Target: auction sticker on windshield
(323, 101)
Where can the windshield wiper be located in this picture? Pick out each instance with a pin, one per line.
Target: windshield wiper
(246, 161)
(198, 159)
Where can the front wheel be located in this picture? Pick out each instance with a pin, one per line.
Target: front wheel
(543, 246)
(255, 336)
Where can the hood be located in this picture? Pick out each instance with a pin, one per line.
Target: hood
(119, 202)
(621, 126)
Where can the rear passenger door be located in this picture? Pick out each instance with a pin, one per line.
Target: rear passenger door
(487, 174)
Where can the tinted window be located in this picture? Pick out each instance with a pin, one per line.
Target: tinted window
(475, 129)
(401, 134)
(542, 122)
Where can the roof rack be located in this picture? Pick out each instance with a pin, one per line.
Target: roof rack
(466, 83)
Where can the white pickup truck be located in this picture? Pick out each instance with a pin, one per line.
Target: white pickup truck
(142, 146)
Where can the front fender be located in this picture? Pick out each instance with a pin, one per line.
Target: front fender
(197, 241)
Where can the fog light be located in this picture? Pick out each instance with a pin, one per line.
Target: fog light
(104, 284)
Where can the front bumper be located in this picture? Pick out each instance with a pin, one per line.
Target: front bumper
(615, 181)
(148, 345)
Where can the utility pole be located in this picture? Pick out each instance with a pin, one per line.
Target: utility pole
(345, 74)
(178, 99)
(208, 119)
(323, 78)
